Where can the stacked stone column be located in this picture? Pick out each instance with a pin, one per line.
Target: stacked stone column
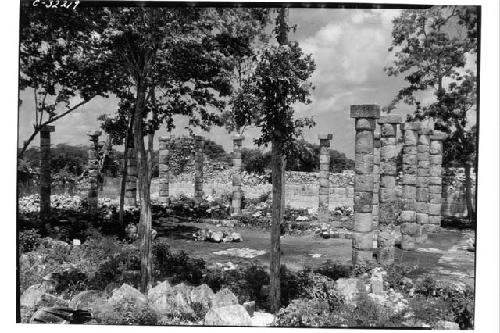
(237, 193)
(132, 173)
(422, 197)
(376, 178)
(324, 177)
(362, 242)
(409, 226)
(435, 180)
(93, 166)
(45, 178)
(164, 169)
(198, 168)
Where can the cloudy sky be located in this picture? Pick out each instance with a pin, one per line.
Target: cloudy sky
(349, 47)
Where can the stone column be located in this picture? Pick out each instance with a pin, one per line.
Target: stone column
(324, 177)
(45, 178)
(93, 165)
(362, 242)
(164, 169)
(236, 201)
(422, 204)
(198, 168)
(131, 183)
(388, 168)
(409, 227)
(435, 180)
(376, 178)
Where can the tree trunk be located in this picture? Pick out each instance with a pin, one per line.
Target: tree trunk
(471, 214)
(128, 143)
(151, 137)
(144, 190)
(278, 179)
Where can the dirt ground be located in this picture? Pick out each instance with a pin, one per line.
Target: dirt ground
(444, 254)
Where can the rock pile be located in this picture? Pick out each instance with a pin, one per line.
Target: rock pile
(217, 236)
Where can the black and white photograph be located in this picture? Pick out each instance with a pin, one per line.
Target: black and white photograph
(270, 164)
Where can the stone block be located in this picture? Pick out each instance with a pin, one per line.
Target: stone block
(365, 111)
(425, 131)
(435, 198)
(434, 209)
(422, 194)
(362, 240)
(364, 142)
(436, 148)
(363, 163)
(435, 170)
(422, 172)
(390, 119)
(422, 218)
(409, 159)
(409, 179)
(363, 202)
(436, 159)
(324, 159)
(421, 207)
(388, 152)
(408, 216)
(363, 183)
(364, 124)
(435, 220)
(387, 195)
(409, 228)
(388, 168)
(408, 204)
(424, 164)
(325, 136)
(388, 130)
(388, 182)
(409, 169)
(423, 156)
(434, 180)
(436, 189)
(363, 222)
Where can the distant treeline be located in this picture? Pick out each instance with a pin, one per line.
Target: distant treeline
(70, 161)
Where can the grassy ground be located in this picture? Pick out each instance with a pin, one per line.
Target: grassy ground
(440, 255)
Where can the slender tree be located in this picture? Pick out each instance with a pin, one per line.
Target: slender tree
(266, 100)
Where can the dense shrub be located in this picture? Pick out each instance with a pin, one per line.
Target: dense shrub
(333, 270)
(177, 266)
(128, 313)
(29, 240)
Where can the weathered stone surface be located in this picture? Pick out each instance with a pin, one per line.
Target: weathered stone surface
(231, 315)
(422, 218)
(33, 295)
(88, 299)
(362, 241)
(127, 293)
(250, 307)
(361, 257)
(446, 325)
(365, 111)
(224, 297)
(364, 142)
(363, 222)
(408, 216)
(409, 228)
(363, 183)
(390, 119)
(408, 242)
(262, 319)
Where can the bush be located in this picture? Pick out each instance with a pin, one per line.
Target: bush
(305, 313)
(333, 270)
(179, 266)
(128, 313)
(29, 240)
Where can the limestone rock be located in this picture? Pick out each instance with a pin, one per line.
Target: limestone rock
(250, 307)
(216, 236)
(446, 325)
(127, 293)
(262, 319)
(202, 295)
(224, 297)
(32, 296)
(87, 299)
(231, 315)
